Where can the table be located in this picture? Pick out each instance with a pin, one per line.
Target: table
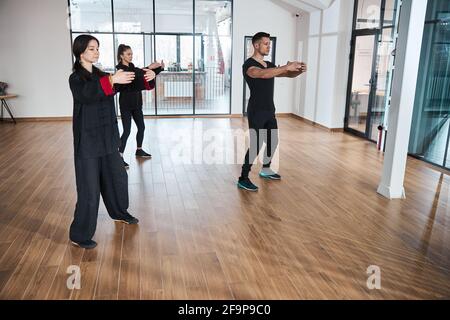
(5, 105)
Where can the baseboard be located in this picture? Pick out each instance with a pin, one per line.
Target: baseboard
(205, 116)
(315, 124)
(41, 119)
(226, 116)
(44, 119)
(284, 115)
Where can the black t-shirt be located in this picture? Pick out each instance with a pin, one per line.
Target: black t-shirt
(261, 90)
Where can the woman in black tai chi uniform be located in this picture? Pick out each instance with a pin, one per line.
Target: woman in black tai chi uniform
(98, 165)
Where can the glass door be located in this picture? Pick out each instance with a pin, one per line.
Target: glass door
(362, 84)
(371, 67)
(213, 21)
(174, 88)
(174, 44)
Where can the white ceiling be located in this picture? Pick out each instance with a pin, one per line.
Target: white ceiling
(304, 5)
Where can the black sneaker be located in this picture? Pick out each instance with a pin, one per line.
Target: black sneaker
(142, 154)
(89, 244)
(246, 184)
(128, 219)
(126, 165)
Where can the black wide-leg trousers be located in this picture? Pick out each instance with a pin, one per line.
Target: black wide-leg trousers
(103, 175)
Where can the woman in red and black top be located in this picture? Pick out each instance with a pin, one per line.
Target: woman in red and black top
(130, 101)
(98, 165)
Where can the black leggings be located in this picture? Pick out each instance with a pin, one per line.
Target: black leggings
(138, 118)
(263, 129)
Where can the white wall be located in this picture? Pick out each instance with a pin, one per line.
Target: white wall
(268, 17)
(324, 37)
(35, 56)
(302, 36)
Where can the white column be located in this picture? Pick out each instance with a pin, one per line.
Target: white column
(409, 44)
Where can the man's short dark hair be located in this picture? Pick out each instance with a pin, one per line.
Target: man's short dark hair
(259, 36)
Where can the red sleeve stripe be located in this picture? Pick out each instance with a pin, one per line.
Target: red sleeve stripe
(149, 85)
(106, 86)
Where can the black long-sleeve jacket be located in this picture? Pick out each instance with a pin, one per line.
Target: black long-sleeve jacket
(130, 94)
(95, 130)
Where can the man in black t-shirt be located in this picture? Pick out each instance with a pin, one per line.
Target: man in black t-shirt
(260, 76)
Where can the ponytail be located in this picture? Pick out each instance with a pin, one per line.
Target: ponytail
(122, 48)
(80, 70)
(77, 67)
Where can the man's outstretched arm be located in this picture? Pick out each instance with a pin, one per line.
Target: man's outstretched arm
(259, 73)
(294, 74)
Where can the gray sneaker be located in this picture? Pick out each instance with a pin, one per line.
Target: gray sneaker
(269, 174)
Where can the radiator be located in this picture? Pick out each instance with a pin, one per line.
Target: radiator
(174, 89)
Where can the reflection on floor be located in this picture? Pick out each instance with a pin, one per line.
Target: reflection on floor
(220, 105)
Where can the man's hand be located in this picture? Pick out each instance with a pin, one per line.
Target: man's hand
(294, 69)
(293, 66)
(304, 67)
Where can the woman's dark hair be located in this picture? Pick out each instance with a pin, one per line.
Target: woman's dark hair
(121, 50)
(80, 45)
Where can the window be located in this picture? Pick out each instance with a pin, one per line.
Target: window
(91, 16)
(430, 131)
(198, 64)
(133, 16)
(368, 14)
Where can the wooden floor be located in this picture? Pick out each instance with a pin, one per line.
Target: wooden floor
(310, 236)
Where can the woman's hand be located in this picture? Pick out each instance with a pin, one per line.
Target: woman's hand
(154, 65)
(123, 77)
(149, 75)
